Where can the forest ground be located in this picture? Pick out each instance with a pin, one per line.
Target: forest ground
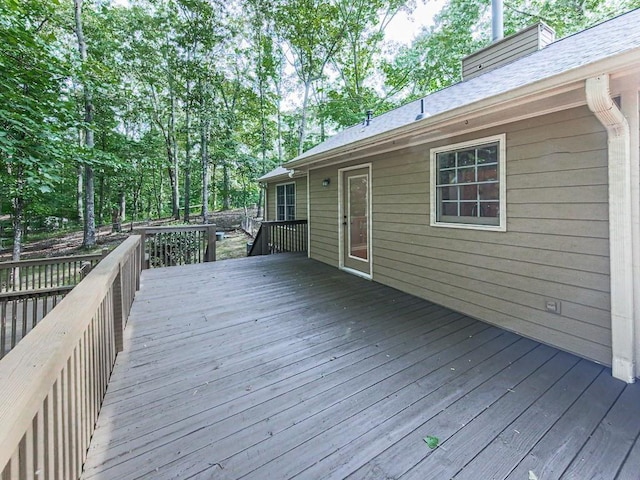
(67, 243)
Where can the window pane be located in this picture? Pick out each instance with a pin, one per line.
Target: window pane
(487, 173)
(450, 208)
(488, 154)
(469, 192)
(280, 212)
(280, 194)
(469, 209)
(489, 209)
(446, 160)
(447, 177)
(466, 157)
(291, 212)
(449, 193)
(467, 175)
(489, 191)
(358, 221)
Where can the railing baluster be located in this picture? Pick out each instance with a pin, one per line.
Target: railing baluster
(50, 443)
(3, 327)
(14, 322)
(25, 305)
(39, 443)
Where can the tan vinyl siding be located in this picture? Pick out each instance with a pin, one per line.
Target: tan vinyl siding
(511, 48)
(555, 247)
(323, 214)
(301, 198)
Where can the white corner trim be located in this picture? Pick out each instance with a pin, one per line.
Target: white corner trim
(620, 227)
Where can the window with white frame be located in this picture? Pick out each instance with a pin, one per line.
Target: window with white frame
(286, 202)
(468, 184)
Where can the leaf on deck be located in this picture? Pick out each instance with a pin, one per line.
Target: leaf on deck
(432, 442)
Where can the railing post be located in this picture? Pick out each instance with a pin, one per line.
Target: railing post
(140, 260)
(211, 243)
(266, 238)
(143, 241)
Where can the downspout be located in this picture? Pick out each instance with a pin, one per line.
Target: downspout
(620, 227)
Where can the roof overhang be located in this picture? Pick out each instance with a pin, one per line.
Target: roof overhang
(281, 174)
(552, 94)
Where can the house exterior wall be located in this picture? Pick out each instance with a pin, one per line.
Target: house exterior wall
(301, 197)
(555, 248)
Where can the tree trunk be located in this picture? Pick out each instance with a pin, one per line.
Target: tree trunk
(99, 212)
(187, 155)
(204, 156)
(122, 206)
(157, 194)
(175, 189)
(79, 194)
(279, 109)
(226, 200)
(89, 238)
(303, 120)
(18, 216)
(214, 194)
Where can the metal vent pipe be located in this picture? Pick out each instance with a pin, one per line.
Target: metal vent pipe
(497, 21)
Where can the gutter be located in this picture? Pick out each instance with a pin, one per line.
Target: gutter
(623, 324)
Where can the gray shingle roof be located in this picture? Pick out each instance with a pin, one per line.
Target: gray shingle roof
(607, 39)
(276, 172)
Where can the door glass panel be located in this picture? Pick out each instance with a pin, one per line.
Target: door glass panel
(357, 220)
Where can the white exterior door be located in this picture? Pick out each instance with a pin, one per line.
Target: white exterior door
(355, 220)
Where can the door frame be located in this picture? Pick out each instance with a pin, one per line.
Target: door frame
(341, 229)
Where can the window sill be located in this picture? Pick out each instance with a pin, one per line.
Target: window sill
(470, 226)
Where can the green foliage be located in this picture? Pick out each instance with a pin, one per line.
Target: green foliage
(34, 114)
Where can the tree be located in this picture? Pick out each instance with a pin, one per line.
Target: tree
(356, 63)
(34, 115)
(314, 31)
(89, 238)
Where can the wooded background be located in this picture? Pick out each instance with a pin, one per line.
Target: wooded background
(137, 108)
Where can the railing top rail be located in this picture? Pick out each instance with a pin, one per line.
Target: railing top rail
(176, 228)
(285, 222)
(51, 260)
(14, 295)
(30, 369)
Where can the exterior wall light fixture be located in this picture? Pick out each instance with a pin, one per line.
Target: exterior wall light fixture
(326, 182)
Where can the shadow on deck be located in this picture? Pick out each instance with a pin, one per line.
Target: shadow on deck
(281, 367)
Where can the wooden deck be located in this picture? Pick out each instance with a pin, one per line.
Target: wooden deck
(280, 367)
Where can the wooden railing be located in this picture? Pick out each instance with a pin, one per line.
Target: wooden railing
(53, 383)
(178, 245)
(45, 272)
(29, 289)
(250, 225)
(280, 237)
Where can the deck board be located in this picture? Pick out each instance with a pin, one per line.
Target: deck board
(282, 367)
